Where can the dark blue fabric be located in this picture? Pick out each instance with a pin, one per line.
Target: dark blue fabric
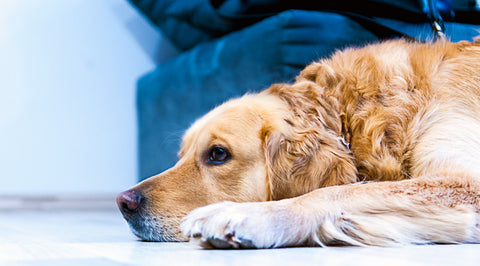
(186, 22)
(224, 58)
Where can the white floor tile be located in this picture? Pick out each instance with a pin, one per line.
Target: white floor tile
(103, 238)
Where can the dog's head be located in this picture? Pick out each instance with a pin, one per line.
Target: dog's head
(260, 147)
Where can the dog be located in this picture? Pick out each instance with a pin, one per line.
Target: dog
(374, 146)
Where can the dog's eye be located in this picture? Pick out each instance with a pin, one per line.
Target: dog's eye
(218, 155)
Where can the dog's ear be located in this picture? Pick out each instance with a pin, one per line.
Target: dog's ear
(278, 159)
(320, 74)
(304, 150)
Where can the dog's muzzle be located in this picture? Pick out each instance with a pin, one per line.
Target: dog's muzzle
(132, 205)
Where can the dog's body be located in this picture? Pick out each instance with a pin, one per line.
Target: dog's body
(403, 113)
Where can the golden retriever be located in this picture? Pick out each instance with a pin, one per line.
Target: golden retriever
(377, 145)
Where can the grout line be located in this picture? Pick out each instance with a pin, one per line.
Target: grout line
(58, 202)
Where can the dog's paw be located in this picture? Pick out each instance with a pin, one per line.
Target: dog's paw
(245, 225)
(230, 225)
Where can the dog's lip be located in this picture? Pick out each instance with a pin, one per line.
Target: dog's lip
(150, 228)
(128, 216)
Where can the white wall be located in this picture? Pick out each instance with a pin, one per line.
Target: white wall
(68, 70)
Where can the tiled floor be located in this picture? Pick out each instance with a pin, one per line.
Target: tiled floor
(103, 238)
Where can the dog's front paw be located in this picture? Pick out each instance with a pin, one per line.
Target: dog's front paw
(226, 225)
(246, 225)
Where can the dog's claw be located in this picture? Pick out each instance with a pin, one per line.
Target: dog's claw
(219, 243)
(230, 244)
(246, 244)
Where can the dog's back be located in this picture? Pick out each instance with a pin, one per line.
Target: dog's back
(409, 108)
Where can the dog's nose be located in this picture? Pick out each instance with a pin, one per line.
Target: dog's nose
(129, 201)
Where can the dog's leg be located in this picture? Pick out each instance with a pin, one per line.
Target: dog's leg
(418, 211)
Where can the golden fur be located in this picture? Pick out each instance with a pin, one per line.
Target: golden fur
(402, 114)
